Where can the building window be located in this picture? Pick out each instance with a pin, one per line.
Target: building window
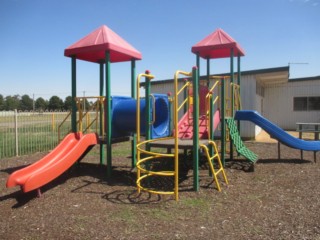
(313, 103)
(306, 103)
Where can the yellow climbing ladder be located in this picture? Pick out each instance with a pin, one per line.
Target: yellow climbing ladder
(211, 159)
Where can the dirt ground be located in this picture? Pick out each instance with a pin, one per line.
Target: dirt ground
(278, 200)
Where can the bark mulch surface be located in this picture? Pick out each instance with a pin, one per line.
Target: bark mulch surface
(280, 199)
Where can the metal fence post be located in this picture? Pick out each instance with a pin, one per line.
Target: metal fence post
(16, 131)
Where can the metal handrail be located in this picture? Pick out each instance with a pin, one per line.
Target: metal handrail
(209, 98)
(138, 102)
(187, 84)
(153, 109)
(236, 95)
(82, 115)
(60, 125)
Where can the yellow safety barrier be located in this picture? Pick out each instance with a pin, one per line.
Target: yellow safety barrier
(84, 114)
(149, 173)
(142, 172)
(85, 122)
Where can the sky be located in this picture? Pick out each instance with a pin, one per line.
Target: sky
(34, 34)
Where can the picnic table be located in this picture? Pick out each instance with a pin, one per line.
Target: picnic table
(308, 128)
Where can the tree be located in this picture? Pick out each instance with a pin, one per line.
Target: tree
(12, 102)
(55, 103)
(41, 104)
(26, 103)
(68, 103)
(2, 103)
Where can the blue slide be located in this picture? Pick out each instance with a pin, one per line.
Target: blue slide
(276, 132)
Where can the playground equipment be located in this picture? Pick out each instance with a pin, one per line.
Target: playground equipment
(276, 132)
(120, 118)
(76, 145)
(73, 148)
(192, 122)
(238, 143)
(103, 46)
(220, 45)
(195, 130)
(124, 114)
(114, 115)
(185, 124)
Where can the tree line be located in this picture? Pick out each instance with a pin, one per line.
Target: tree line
(26, 103)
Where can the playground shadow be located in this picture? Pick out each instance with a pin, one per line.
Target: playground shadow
(23, 198)
(247, 166)
(123, 176)
(78, 170)
(120, 187)
(155, 183)
(283, 160)
(122, 183)
(13, 169)
(20, 197)
(239, 164)
(134, 197)
(90, 174)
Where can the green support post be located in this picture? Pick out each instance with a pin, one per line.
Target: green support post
(74, 94)
(210, 135)
(185, 95)
(195, 86)
(170, 111)
(239, 69)
(147, 112)
(223, 123)
(133, 95)
(185, 109)
(238, 82)
(101, 112)
(211, 121)
(211, 124)
(232, 81)
(198, 65)
(208, 72)
(232, 95)
(108, 115)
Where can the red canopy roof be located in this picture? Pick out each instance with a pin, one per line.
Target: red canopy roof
(92, 47)
(217, 45)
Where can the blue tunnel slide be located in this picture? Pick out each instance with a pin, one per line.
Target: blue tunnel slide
(276, 132)
(124, 110)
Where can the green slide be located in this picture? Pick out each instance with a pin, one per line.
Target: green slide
(238, 143)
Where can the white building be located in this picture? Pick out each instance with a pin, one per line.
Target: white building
(281, 100)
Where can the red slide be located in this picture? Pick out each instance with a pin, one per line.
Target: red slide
(185, 125)
(71, 148)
